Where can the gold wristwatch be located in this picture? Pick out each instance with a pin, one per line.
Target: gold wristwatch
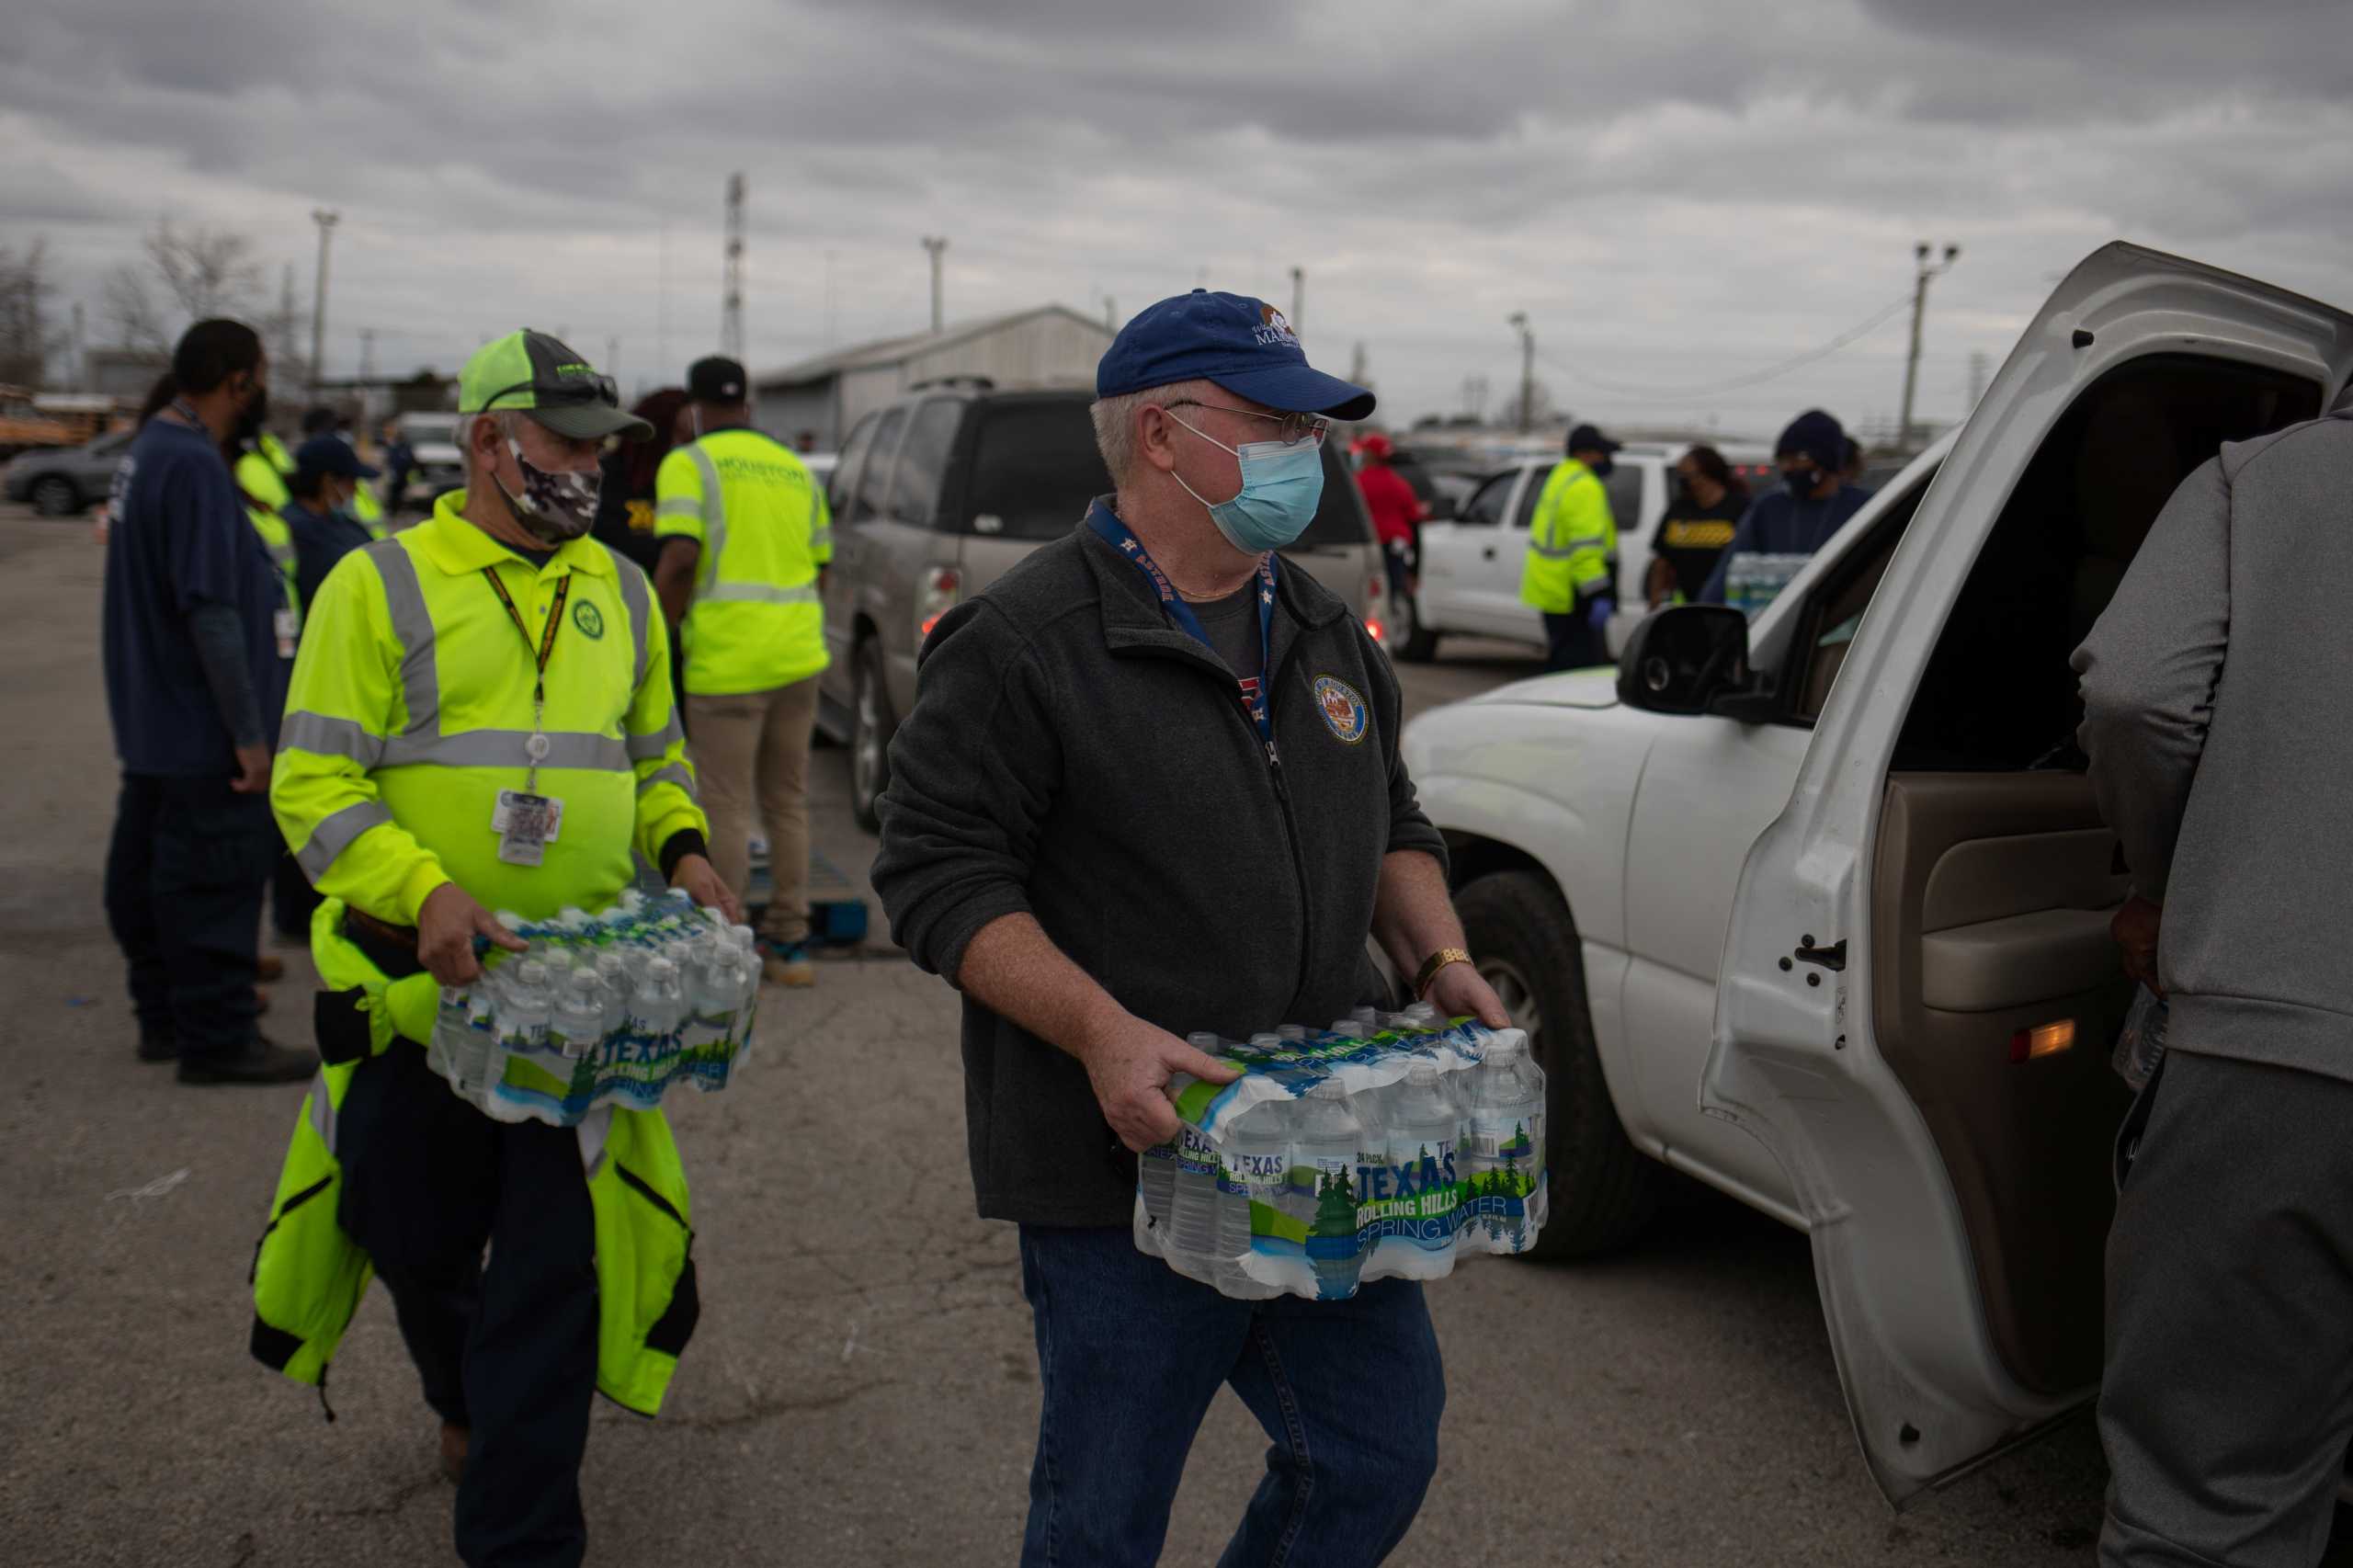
(1432, 964)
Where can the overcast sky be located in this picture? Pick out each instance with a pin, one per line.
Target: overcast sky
(1677, 193)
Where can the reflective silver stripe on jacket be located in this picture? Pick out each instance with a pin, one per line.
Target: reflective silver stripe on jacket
(504, 748)
(323, 1110)
(678, 506)
(1591, 541)
(281, 553)
(820, 538)
(714, 516)
(676, 772)
(1535, 549)
(644, 748)
(638, 599)
(306, 730)
(760, 593)
(335, 833)
(412, 624)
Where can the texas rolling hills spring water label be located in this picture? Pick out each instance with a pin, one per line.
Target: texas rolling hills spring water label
(1353, 1158)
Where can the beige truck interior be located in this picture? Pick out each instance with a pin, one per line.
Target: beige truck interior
(1995, 881)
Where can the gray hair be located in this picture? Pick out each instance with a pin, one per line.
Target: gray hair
(1115, 422)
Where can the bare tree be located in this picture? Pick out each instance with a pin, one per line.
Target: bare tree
(186, 276)
(26, 340)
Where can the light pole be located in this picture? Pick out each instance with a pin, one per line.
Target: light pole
(1298, 297)
(936, 245)
(326, 222)
(1518, 323)
(1923, 272)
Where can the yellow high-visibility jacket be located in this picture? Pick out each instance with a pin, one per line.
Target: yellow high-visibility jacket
(757, 621)
(1572, 541)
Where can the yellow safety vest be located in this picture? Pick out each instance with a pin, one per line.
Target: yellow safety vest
(756, 622)
(309, 1275)
(370, 510)
(278, 538)
(411, 706)
(262, 479)
(1571, 540)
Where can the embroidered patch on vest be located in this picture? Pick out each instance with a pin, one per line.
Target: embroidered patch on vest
(1344, 713)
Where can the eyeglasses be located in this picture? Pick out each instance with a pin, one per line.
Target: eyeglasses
(572, 389)
(1290, 428)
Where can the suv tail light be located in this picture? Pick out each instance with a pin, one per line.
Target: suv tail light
(1376, 594)
(942, 586)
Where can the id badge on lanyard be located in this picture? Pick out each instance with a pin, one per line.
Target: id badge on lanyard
(1254, 699)
(526, 821)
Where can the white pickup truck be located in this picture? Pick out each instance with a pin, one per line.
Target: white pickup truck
(1815, 908)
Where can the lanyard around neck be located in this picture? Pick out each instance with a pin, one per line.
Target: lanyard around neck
(535, 749)
(1119, 537)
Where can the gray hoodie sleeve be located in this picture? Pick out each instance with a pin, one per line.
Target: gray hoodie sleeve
(974, 768)
(2149, 670)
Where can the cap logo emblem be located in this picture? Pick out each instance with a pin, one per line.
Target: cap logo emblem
(1342, 708)
(1273, 331)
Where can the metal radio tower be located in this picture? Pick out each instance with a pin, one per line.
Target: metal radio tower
(730, 316)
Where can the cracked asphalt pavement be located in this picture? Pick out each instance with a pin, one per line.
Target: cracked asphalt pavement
(863, 1387)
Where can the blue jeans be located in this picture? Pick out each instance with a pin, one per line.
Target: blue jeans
(1130, 1353)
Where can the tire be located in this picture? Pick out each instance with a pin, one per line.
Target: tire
(1419, 644)
(56, 496)
(1603, 1189)
(871, 725)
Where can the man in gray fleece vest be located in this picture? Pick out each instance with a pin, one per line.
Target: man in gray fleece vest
(2219, 718)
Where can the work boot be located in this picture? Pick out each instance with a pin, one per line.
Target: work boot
(454, 1439)
(787, 963)
(157, 1044)
(269, 969)
(259, 1062)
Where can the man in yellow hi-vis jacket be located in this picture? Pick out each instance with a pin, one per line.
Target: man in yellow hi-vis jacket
(480, 719)
(1571, 572)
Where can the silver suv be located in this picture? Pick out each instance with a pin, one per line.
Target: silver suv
(936, 496)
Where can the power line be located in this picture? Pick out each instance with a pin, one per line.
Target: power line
(1755, 377)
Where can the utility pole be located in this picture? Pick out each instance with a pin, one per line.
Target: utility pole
(326, 222)
(613, 359)
(936, 243)
(1922, 272)
(1518, 321)
(1981, 370)
(731, 314)
(367, 353)
(81, 377)
(1110, 313)
(1298, 297)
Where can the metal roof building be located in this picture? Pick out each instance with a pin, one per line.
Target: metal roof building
(816, 402)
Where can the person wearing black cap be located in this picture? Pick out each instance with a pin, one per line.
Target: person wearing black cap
(1571, 572)
(1813, 503)
(745, 537)
(1150, 784)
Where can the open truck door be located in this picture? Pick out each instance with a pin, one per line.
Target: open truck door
(1917, 996)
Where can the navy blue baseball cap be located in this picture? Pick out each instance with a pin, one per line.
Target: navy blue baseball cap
(1243, 344)
(331, 454)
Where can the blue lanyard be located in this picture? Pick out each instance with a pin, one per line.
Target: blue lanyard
(1116, 534)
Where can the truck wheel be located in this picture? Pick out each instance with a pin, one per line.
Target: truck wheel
(1418, 643)
(871, 725)
(1603, 1189)
(56, 496)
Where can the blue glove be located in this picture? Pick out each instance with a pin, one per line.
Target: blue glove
(1597, 616)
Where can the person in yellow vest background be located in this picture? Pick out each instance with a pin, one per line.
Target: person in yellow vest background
(1571, 572)
(480, 719)
(746, 537)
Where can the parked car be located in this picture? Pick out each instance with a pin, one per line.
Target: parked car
(1815, 909)
(439, 464)
(60, 482)
(939, 494)
(1469, 580)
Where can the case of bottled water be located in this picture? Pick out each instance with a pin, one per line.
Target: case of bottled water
(1385, 1145)
(612, 1008)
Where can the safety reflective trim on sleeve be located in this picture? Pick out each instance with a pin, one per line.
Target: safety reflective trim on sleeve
(323, 1117)
(504, 748)
(678, 506)
(643, 748)
(1591, 541)
(306, 730)
(638, 599)
(714, 516)
(676, 772)
(821, 539)
(760, 593)
(594, 1128)
(1549, 554)
(334, 833)
(412, 624)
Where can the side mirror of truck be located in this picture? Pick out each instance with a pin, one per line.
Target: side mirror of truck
(1686, 659)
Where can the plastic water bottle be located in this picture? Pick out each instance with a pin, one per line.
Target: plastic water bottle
(577, 1028)
(1505, 1144)
(660, 1006)
(1292, 1034)
(1368, 1017)
(1349, 1028)
(1328, 1146)
(529, 1008)
(1422, 1131)
(1256, 1154)
(2141, 1046)
(1193, 1203)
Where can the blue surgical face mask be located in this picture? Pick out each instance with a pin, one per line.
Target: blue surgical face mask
(1281, 486)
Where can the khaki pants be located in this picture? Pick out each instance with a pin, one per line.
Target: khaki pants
(756, 744)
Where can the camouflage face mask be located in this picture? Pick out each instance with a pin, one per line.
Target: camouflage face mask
(555, 506)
